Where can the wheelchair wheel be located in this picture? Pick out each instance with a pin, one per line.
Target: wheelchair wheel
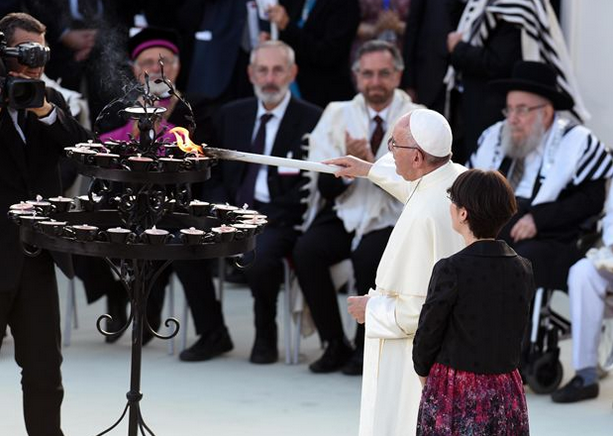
(545, 374)
(605, 348)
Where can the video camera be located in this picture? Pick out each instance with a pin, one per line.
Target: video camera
(16, 92)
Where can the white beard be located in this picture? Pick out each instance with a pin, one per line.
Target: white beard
(522, 148)
(270, 98)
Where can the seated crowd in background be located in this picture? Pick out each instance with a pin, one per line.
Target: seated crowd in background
(278, 89)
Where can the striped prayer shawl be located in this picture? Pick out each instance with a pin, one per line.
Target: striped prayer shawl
(596, 163)
(572, 155)
(542, 38)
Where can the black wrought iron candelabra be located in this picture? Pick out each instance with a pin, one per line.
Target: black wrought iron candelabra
(139, 216)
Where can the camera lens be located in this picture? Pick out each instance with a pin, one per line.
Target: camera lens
(25, 93)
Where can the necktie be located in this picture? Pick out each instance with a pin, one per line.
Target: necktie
(377, 135)
(518, 173)
(247, 188)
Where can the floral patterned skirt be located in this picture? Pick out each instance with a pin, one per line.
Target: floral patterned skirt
(461, 403)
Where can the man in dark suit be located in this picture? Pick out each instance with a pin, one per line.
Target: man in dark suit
(87, 38)
(274, 123)
(425, 54)
(33, 143)
(321, 32)
(213, 33)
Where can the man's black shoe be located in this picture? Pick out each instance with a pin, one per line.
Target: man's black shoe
(264, 352)
(337, 353)
(355, 364)
(116, 299)
(575, 391)
(208, 346)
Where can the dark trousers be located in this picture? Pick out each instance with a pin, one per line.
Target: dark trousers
(195, 276)
(551, 259)
(265, 275)
(98, 280)
(32, 312)
(324, 244)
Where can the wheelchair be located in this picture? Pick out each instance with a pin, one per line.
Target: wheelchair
(541, 367)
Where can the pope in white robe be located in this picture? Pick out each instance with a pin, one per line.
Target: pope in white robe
(418, 172)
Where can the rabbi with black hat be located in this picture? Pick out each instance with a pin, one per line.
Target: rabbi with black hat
(557, 168)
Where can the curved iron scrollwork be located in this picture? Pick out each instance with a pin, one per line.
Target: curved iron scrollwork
(30, 250)
(250, 261)
(130, 177)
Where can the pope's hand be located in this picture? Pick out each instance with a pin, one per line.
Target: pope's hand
(356, 306)
(525, 228)
(351, 166)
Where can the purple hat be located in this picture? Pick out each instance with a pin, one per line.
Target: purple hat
(153, 37)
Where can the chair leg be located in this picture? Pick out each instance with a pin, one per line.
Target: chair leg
(70, 312)
(221, 276)
(185, 323)
(297, 333)
(536, 315)
(73, 295)
(287, 313)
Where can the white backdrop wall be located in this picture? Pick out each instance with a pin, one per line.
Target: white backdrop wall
(589, 35)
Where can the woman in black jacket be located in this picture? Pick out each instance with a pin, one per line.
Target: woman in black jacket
(467, 345)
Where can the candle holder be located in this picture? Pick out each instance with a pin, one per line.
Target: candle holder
(139, 216)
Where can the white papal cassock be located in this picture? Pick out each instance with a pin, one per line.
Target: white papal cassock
(391, 390)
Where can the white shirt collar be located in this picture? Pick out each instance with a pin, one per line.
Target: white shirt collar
(278, 111)
(383, 114)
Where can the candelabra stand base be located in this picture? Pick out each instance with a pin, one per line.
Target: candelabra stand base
(137, 277)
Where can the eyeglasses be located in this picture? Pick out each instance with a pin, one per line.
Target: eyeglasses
(391, 144)
(521, 111)
(370, 74)
(149, 64)
(276, 71)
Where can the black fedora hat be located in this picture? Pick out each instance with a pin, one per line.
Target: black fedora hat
(537, 78)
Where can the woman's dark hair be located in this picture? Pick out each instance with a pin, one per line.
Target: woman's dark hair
(487, 197)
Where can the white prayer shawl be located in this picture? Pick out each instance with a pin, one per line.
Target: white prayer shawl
(571, 156)
(363, 207)
(607, 221)
(541, 38)
(391, 390)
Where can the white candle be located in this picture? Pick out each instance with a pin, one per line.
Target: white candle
(274, 161)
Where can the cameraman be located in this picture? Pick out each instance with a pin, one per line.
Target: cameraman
(31, 143)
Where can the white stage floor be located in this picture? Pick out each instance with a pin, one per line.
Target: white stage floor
(228, 396)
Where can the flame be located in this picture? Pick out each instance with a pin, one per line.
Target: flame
(183, 141)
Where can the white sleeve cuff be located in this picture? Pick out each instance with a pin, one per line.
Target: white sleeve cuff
(51, 118)
(381, 319)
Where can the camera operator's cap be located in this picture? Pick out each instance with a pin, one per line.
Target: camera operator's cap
(153, 37)
(431, 132)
